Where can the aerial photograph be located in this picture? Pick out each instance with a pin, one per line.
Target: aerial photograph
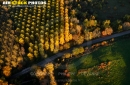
(64, 42)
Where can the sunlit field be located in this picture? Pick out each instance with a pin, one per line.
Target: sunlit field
(106, 66)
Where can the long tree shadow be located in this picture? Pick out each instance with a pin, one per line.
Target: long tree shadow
(119, 50)
(124, 50)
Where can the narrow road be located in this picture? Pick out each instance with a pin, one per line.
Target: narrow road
(88, 43)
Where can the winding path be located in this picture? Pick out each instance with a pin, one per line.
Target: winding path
(88, 43)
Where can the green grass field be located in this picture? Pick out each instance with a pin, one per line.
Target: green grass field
(117, 73)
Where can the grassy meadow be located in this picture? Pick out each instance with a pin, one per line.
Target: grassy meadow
(107, 66)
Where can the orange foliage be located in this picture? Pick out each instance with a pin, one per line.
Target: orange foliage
(68, 74)
(104, 33)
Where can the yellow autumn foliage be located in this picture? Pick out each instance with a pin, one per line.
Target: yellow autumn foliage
(62, 41)
(14, 64)
(66, 55)
(35, 53)
(21, 41)
(30, 49)
(7, 70)
(19, 59)
(30, 56)
(70, 36)
(46, 45)
(49, 67)
(40, 74)
(51, 47)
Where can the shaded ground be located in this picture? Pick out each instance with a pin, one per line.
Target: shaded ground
(112, 9)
